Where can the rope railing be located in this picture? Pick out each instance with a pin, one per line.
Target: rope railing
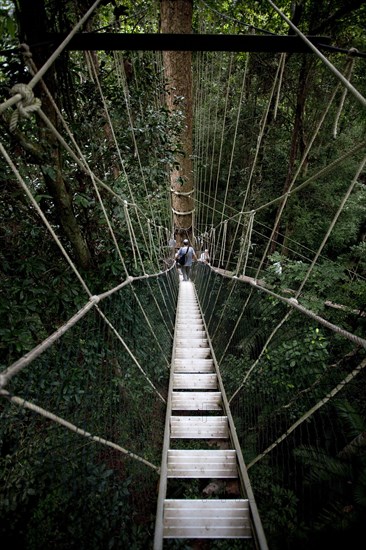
(290, 376)
(46, 414)
(17, 97)
(24, 361)
(114, 352)
(309, 413)
(113, 347)
(345, 81)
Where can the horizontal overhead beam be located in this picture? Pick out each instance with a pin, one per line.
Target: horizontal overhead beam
(187, 42)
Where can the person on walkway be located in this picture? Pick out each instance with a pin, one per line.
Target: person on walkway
(190, 256)
(205, 257)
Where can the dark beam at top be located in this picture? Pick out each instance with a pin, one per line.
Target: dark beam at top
(187, 42)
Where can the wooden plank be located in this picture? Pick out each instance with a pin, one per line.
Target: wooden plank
(201, 471)
(188, 317)
(202, 464)
(188, 327)
(215, 506)
(183, 323)
(196, 401)
(186, 340)
(195, 381)
(194, 361)
(192, 343)
(241, 531)
(186, 353)
(199, 427)
(190, 333)
(181, 319)
(193, 365)
(215, 456)
(211, 518)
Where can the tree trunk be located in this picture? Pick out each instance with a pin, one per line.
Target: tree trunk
(297, 144)
(176, 17)
(34, 23)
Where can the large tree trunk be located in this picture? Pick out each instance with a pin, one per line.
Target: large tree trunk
(176, 17)
(33, 24)
(297, 145)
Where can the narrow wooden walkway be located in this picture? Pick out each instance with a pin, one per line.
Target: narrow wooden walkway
(198, 440)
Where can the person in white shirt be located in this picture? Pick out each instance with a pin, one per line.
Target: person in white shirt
(205, 257)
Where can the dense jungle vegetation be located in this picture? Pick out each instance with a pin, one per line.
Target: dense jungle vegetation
(87, 500)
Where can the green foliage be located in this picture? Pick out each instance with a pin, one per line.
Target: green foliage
(82, 505)
(69, 486)
(327, 282)
(294, 364)
(279, 512)
(341, 481)
(94, 493)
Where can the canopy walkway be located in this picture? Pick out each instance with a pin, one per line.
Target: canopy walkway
(197, 410)
(138, 404)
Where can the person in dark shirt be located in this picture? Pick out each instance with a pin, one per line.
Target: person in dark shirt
(190, 256)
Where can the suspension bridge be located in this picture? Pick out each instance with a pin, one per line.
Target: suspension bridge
(190, 390)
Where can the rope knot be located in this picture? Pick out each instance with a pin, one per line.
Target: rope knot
(2, 380)
(26, 105)
(26, 50)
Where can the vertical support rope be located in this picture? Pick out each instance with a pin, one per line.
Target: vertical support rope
(130, 232)
(330, 66)
(347, 74)
(249, 241)
(310, 412)
(332, 224)
(296, 175)
(36, 78)
(246, 244)
(62, 422)
(43, 218)
(106, 110)
(254, 163)
(242, 91)
(282, 64)
(213, 149)
(223, 134)
(223, 243)
(134, 359)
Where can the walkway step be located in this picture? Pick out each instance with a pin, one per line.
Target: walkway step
(196, 401)
(197, 421)
(190, 333)
(199, 427)
(189, 323)
(194, 361)
(192, 343)
(193, 365)
(186, 352)
(202, 464)
(195, 381)
(186, 329)
(208, 519)
(192, 314)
